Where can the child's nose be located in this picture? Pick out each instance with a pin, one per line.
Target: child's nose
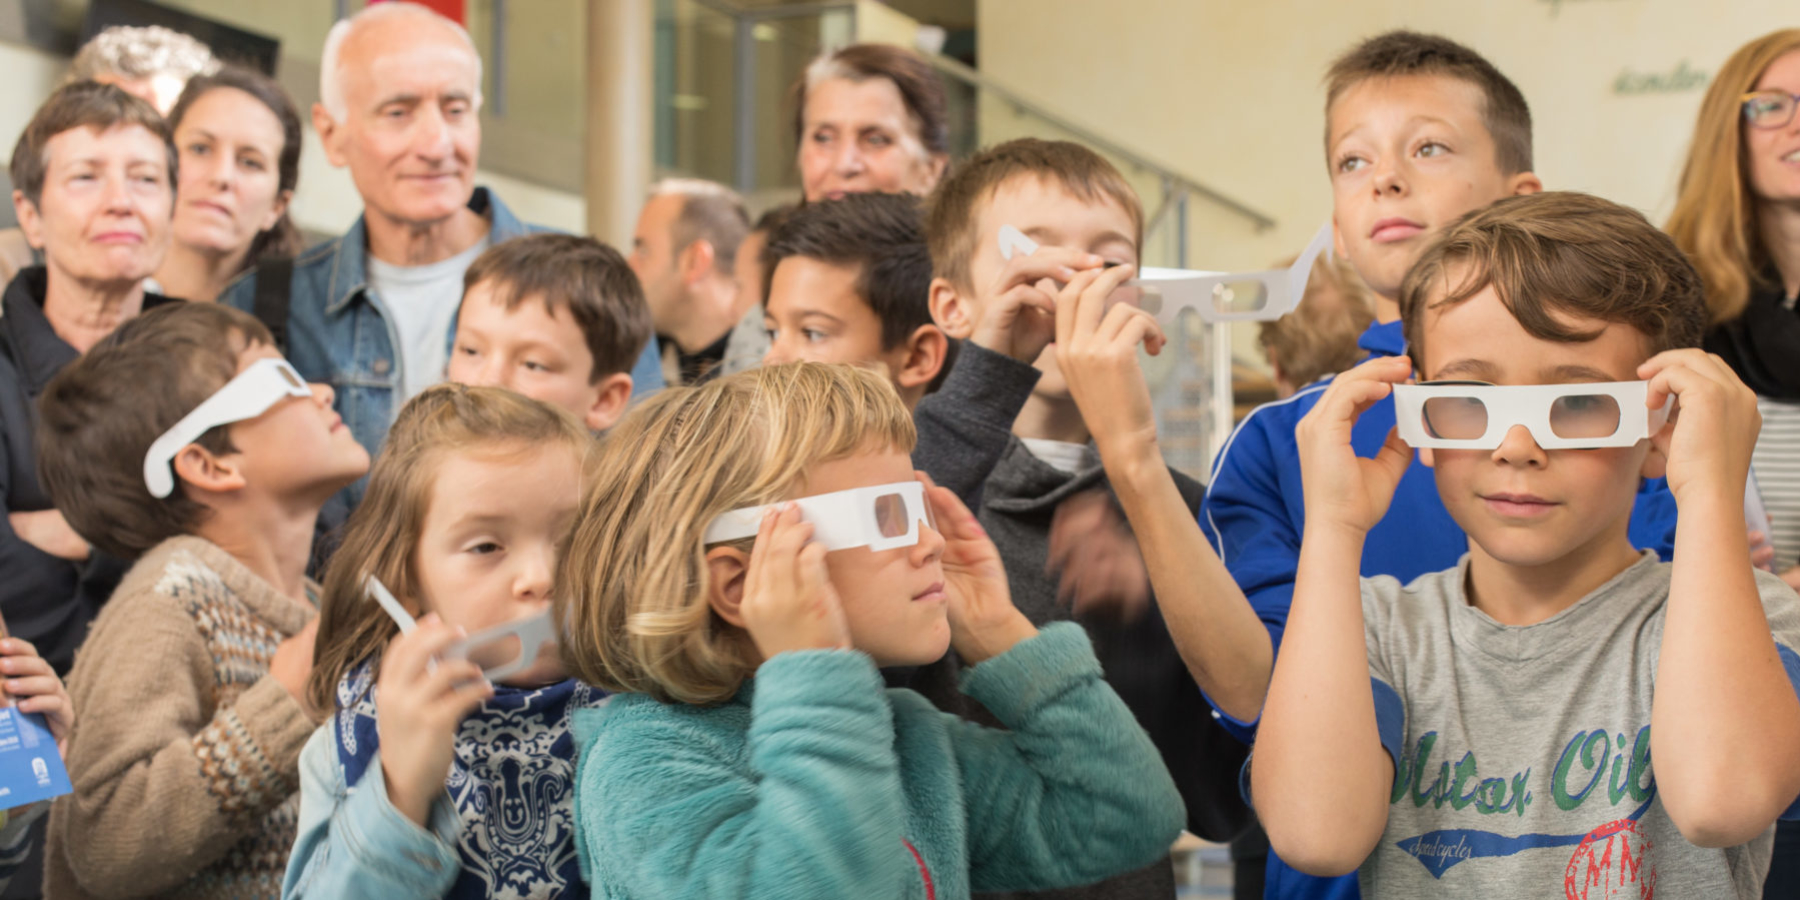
(535, 574)
(1519, 448)
(930, 546)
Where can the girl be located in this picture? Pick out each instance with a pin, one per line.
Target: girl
(757, 754)
(429, 781)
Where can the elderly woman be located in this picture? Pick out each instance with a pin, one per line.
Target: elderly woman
(870, 117)
(93, 178)
(238, 137)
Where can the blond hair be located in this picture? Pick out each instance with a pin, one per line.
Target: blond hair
(1319, 337)
(383, 533)
(632, 599)
(1713, 219)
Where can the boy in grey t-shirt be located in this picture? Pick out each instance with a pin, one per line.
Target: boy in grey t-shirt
(1492, 732)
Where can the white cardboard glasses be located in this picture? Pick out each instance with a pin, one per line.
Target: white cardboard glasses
(501, 651)
(880, 517)
(1472, 416)
(263, 384)
(1215, 296)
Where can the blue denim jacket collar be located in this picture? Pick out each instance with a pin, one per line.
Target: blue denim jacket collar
(350, 259)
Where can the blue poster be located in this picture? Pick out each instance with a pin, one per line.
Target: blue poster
(30, 768)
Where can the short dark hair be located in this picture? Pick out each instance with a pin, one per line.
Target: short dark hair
(955, 207)
(883, 235)
(921, 90)
(580, 274)
(1560, 252)
(99, 416)
(84, 104)
(283, 240)
(1397, 53)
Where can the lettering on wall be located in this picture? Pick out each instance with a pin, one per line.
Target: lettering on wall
(1681, 79)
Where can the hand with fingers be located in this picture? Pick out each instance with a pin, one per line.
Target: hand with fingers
(33, 684)
(789, 602)
(1017, 310)
(1712, 429)
(1341, 488)
(1100, 568)
(1096, 349)
(984, 623)
(420, 700)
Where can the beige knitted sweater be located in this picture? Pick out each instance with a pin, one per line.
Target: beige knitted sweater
(185, 753)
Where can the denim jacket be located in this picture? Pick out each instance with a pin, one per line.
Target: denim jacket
(339, 332)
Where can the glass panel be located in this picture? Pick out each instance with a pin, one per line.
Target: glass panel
(1585, 416)
(693, 102)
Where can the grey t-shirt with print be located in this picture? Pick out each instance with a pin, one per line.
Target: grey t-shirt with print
(1522, 753)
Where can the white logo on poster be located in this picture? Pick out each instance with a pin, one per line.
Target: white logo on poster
(40, 770)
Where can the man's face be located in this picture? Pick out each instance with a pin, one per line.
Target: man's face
(411, 135)
(1409, 155)
(653, 260)
(1049, 214)
(1519, 503)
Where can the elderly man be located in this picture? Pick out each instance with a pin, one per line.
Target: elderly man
(371, 313)
(684, 250)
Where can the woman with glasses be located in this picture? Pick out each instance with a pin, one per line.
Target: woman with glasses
(1738, 218)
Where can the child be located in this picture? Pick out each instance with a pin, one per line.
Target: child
(1504, 686)
(1318, 339)
(429, 781)
(849, 281)
(1419, 131)
(757, 754)
(513, 330)
(184, 440)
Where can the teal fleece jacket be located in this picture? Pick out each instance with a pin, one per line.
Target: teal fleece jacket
(816, 782)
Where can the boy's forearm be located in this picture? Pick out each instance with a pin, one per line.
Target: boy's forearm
(1220, 638)
(1720, 683)
(1320, 779)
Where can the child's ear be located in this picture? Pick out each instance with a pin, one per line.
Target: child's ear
(201, 470)
(1337, 239)
(951, 310)
(925, 352)
(725, 570)
(1523, 183)
(609, 399)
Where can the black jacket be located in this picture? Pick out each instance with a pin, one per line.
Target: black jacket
(46, 600)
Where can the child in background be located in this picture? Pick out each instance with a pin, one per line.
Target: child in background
(1448, 735)
(756, 753)
(1318, 339)
(184, 440)
(520, 299)
(430, 781)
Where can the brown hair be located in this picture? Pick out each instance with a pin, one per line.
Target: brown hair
(579, 274)
(882, 235)
(920, 87)
(1319, 337)
(283, 240)
(632, 605)
(84, 104)
(1401, 53)
(710, 212)
(1714, 218)
(1560, 253)
(383, 533)
(954, 209)
(99, 416)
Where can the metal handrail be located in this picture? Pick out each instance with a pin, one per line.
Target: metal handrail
(1171, 176)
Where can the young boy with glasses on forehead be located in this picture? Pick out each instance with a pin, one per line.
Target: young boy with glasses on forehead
(184, 440)
(1560, 711)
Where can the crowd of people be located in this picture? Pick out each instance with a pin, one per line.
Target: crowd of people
(832, 553)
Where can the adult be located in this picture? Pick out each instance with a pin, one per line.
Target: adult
(371, 312)
(868, 117)
(684, 251)
(238, 137)
(1737, 216)
(151, 64)
(93, 186)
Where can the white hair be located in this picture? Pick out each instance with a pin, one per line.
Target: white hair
(331, 85)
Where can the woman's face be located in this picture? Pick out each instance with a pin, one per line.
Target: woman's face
(856, 137)
(103, 215)
(1774, 153)
(230, 146)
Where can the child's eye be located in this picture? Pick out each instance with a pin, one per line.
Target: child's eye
(813, 335)
(1351, 163)
(465, 349)
(533, 366)
(1433, 148)
(484, 548)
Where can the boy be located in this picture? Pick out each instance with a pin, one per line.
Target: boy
(849, 280)
(1504, 686)
(513, 331)
(185, 441)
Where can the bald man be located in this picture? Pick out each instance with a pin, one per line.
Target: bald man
(371, 313)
